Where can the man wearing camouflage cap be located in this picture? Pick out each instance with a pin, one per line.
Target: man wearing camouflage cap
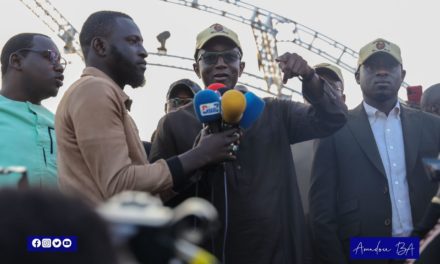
(303, 152)
(257, 197)
(375, 159)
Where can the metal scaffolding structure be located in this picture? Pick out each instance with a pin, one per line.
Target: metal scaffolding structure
(266, 27)
(56, 22)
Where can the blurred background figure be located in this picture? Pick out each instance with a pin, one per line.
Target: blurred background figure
(49, 213)
(180, 93)
(32, 71)
(332, 74)
(431, 99)
(302, 152)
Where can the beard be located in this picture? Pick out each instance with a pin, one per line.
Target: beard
(126, 71)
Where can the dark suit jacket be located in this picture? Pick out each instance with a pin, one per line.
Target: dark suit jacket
(349, 194)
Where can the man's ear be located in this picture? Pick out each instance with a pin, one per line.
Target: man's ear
(357, 77)
(403, 74)
(15, 61)
(242, 64)
(100, 46)
(197, 69)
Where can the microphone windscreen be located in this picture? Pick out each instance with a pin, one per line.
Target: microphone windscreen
(215, 86)
(254, 108)
(233, 106)
(207, 106)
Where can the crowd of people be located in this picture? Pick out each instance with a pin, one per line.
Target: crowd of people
(307, 176)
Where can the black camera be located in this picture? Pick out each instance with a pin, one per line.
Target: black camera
(153, 233)
(432, 168)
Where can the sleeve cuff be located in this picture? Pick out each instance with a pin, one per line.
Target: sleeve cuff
(176, 170)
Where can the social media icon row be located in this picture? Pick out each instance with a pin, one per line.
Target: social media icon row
(51, 243)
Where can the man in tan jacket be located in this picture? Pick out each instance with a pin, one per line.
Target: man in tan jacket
(99, 149)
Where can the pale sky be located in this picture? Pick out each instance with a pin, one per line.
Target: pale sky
(410, 24)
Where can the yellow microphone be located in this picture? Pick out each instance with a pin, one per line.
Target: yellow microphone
(233, 106)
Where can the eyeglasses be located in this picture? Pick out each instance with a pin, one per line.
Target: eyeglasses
(211, 57)
(50, 55)
(177, 102)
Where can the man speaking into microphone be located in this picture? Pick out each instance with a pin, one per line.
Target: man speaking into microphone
(257, 194)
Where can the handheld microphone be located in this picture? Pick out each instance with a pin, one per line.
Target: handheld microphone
(208, 109)
(233, 106)
(254, 108)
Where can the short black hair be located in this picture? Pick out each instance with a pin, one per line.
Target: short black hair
(101, 24)
(50, 213)
(19, 41)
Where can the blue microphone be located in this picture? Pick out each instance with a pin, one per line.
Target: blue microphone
(254, 108)
(207, 106)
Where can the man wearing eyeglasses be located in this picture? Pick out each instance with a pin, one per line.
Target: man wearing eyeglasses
(32, 71)
(257, 195)
(180, 93)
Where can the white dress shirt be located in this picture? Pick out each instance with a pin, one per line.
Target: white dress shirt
(388, 134)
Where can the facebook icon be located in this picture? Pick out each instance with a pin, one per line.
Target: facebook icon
(36, 243)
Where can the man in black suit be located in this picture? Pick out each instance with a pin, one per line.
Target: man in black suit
(368, 178)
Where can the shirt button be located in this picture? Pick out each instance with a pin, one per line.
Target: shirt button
(387, 222)
(391, 147)
(394, 164)
(238, 167)
(388, 130)
(396, 182)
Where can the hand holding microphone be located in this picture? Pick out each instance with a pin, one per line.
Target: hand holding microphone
(227, 113)
(216, 147)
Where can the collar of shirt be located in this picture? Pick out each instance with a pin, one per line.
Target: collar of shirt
(373, 113)
(96, 72)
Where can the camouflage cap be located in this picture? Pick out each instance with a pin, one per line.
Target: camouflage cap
(379, 46)
(331, 68)
(215, 30)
